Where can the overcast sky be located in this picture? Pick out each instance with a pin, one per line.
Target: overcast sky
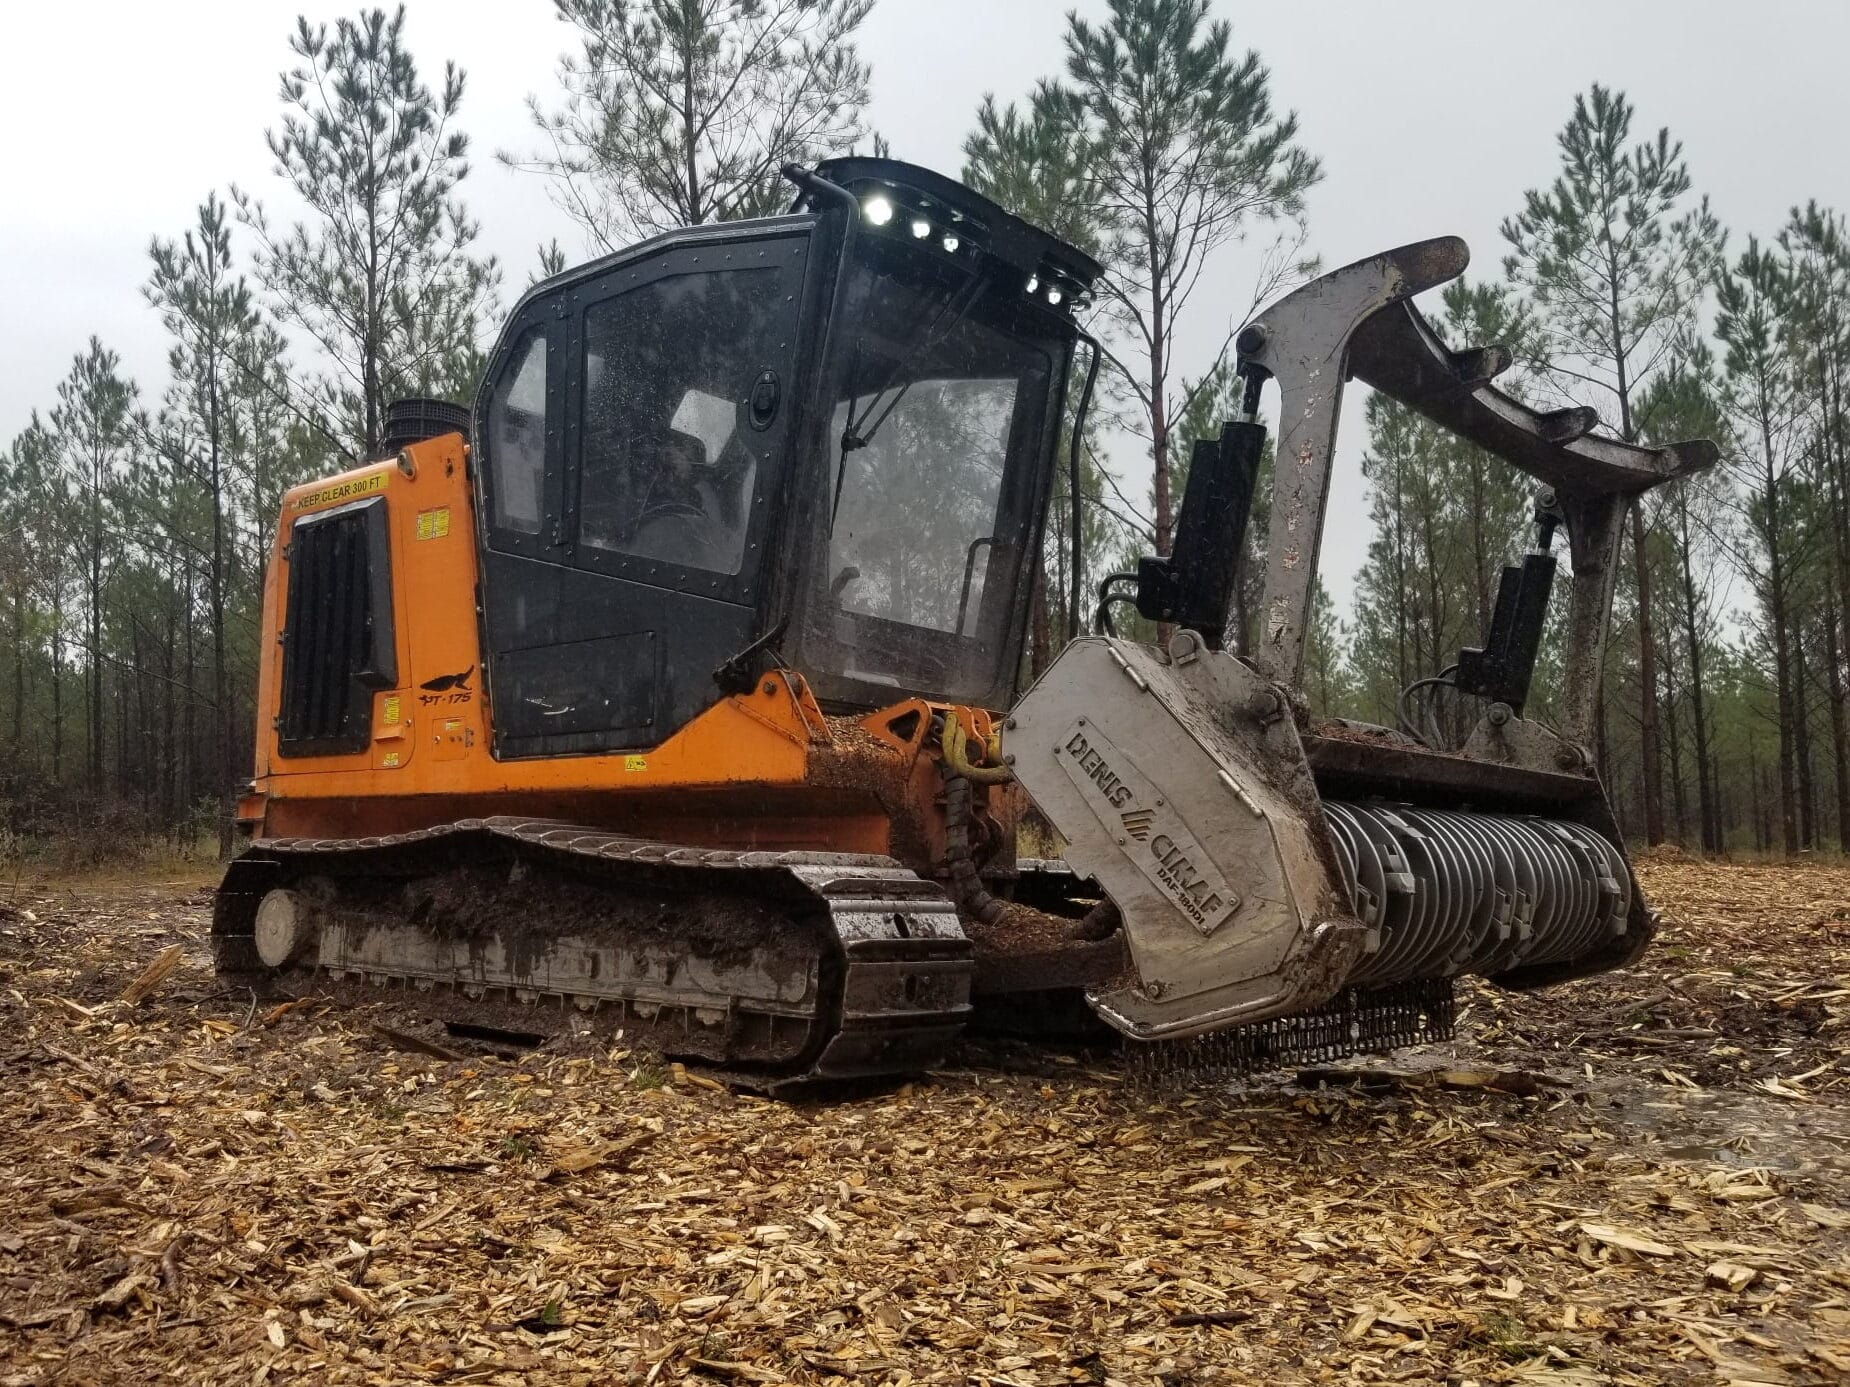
(116, 117)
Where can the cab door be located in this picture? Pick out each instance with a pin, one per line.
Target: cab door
(635, 431)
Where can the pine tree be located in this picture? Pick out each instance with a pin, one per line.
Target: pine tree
(1328, 679)
(13, 559)
(381, 277)
(1492, 502)
(1616, 264)
(551, 262)
(95, 425)
(1032, 162)
(1447, 517)
(1184, 152)
(1816, 246)
(1754, 297)
(48, 507)
(1029, 162)
(31, 555)
(1397, 628)
(680, 112)
(216, 328)
(1697, 515)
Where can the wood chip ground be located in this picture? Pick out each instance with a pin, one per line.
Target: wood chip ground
(1634, 1179)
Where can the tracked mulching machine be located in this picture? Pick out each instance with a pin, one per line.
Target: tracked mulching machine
(673, 689)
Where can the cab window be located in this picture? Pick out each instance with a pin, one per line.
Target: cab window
(679, 394)
(517, 438)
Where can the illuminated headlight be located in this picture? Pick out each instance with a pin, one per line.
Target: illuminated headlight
(1054, 295)
(877, 210)
(920, 228)
(1034, 282)
(950, 242)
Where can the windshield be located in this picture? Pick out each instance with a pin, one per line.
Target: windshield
(919, 503)
(937, 466)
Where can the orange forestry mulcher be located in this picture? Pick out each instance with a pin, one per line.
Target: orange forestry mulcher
(674, 687)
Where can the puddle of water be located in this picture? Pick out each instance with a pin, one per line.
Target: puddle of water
(1740, 1128)
(1730, 1127)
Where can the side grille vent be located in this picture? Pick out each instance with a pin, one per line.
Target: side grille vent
(338, 641)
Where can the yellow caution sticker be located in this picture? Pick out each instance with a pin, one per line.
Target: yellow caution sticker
(391, 709)
(342, 491)
(635, 763)
(434, 524)
(390, 762)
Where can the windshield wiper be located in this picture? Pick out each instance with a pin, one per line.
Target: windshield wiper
(963, 299)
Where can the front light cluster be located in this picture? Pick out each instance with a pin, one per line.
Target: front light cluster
(1053, 293)
(879, 210)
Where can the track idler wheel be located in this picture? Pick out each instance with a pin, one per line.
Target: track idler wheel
(284, 928)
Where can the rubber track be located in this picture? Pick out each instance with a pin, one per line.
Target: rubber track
(894, 1001)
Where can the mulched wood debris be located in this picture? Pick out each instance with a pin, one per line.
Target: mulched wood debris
(1633, 1179)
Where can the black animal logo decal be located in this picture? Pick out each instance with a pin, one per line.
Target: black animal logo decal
(447, 688)
(443, 683)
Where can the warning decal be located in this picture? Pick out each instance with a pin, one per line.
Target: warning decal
(342, 491)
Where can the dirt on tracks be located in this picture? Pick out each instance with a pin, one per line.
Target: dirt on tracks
(1640, 1178)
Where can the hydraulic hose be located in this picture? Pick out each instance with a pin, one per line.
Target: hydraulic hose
(966, 885)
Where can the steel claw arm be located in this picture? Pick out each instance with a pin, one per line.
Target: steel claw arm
(1360, 322)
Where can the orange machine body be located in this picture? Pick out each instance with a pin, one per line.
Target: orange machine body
(764, 769)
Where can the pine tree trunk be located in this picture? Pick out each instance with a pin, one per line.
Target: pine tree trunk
(94, 681)
(171, 758)
(1602, 753)
(1801, 744)
(139, 776)
(1777, 615)
(1673, 743)
(1840, 735)
(1040, 643)
(123, 780)
(690, 145)
(1650, 747)
(57, 681)
(1159, 423)
(1838, 495)
(189, 724)
(1403, 669)
(1724, 810)
(1763, 830)
(1788, 785)
(1698, 711)
(221, 696)
(19, 670)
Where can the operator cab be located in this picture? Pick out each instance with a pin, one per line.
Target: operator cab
(830, 433)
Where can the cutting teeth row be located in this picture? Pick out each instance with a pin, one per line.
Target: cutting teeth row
(1355, 1021)
(1445, 891)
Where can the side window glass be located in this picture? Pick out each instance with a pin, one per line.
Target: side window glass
(517, 438)
(681, 388)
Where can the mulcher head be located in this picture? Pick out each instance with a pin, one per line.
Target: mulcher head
(1308, 888)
